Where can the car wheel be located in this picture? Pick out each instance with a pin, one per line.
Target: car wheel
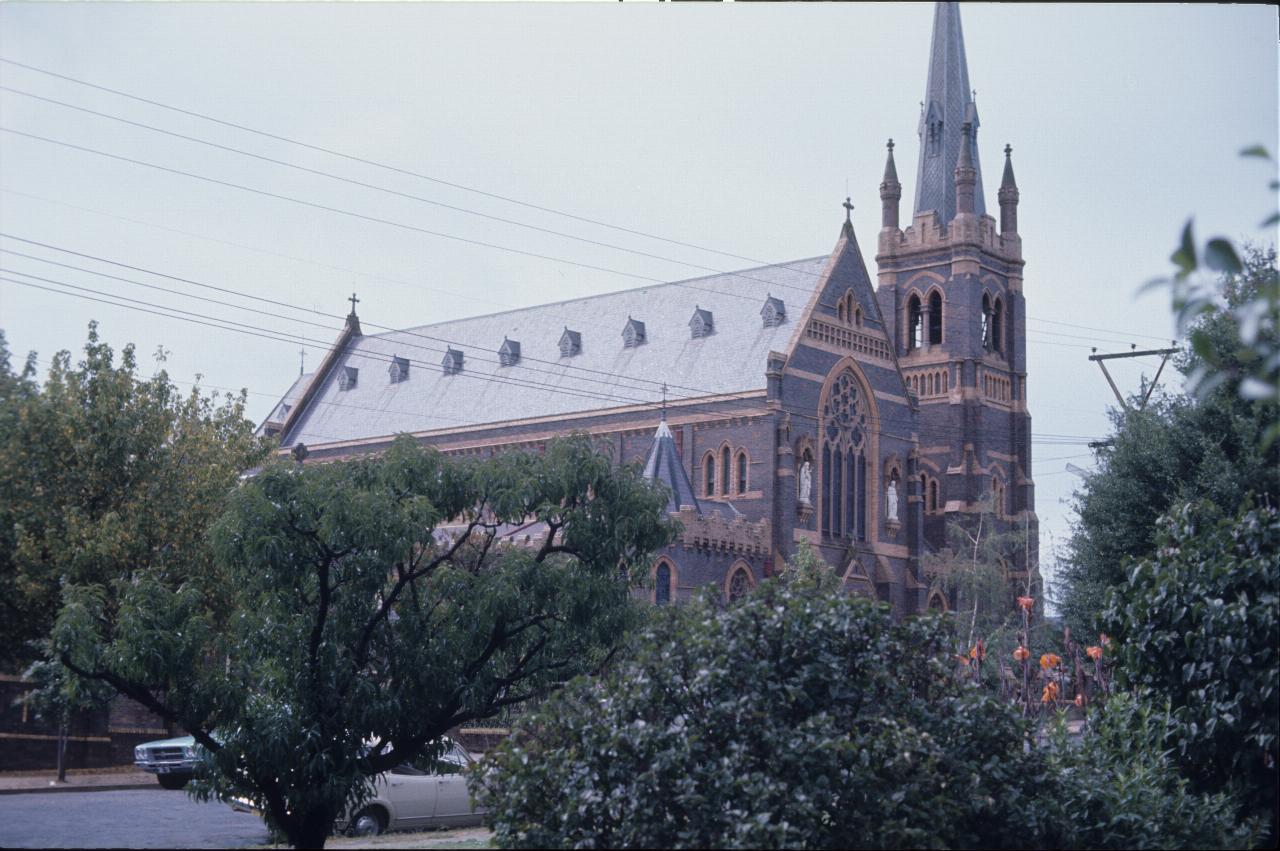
(173, 781)
(368, 822)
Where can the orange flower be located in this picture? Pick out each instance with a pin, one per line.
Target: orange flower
(1026, 603)
(1022, 653)
(1050, 693)
(978, 651)
(1094, 653)
(1050, 660)
(1079, 701)
(963, 660)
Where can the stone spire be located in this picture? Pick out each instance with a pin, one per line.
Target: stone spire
(948, 105)
(890, 192)
(664, 465)
(966, 175)
(1008, 195)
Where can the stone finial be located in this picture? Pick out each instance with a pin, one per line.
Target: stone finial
(890, 192)
(1008, 195)
(966, 176)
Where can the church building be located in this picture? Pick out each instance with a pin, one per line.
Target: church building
(796, 401)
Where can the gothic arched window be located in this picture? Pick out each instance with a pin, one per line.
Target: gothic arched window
(844, 460)
(742, 473)
(935, 318)
(915, 323)
(662, 586)
(739, 583)
(933, 495)
(986, 321)
(709, 475)
(997, 321)
(725, 472)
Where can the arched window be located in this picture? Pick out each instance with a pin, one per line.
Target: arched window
(840, 311)
(709, 475)
(844, 464)
(933, 495)
(935, 318)
(997, 497)
(915, 323)
(997, 322)
(742, 472)
(740, 583)
(725, 471)
(986, 321)
(662, 584)
(857, 316)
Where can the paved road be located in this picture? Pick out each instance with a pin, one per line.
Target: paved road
(142, 818)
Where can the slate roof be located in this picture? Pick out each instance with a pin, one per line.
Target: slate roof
(290, 398)
(543, 384)
(664, 465)
(948, 97)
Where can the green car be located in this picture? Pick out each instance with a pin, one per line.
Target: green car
(172, 761)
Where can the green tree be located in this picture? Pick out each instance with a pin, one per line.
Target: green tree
(801, 717)
(103, 472)
(341, 613)
(796, 717)
(1198, 622)
(1181, 447)
(981, 571)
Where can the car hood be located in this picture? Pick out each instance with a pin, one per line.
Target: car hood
(180, 742)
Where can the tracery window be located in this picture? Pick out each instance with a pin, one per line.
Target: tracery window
(844, 460)
(739, 584)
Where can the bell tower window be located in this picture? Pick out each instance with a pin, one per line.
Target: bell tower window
(935, 318)
(915, 323)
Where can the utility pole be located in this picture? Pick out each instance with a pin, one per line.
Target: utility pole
(1100, 361)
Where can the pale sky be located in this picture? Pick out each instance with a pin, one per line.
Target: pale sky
(732, 127)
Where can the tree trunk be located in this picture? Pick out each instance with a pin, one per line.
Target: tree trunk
(62, 748)
(312, 830)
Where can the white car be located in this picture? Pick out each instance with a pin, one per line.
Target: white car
(425, 793)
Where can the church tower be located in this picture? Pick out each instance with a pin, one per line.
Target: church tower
(952, 281)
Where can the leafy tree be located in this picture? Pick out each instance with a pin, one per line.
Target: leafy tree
(58, 695)
(797, 717)
(1199, 623)
(103, 473)
(803, 717)
(1119, 787)
(343, 613)
(977, 571)
(1181, 447)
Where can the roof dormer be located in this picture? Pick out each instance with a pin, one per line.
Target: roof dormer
(570, 343)
(398, 370)
(633, 333)
(347, 377)
(451, 364)
(774, 312)
(509, 352)
(701, 325)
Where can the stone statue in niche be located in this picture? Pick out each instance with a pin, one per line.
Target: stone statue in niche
(806, 481)
(891, 498)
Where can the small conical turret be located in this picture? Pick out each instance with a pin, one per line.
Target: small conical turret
(966, 175)
(1008, 195)
(890, 192)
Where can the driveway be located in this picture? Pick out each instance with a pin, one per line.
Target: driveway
(141, 818)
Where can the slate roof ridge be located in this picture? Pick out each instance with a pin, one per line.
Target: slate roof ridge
(736, 272)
